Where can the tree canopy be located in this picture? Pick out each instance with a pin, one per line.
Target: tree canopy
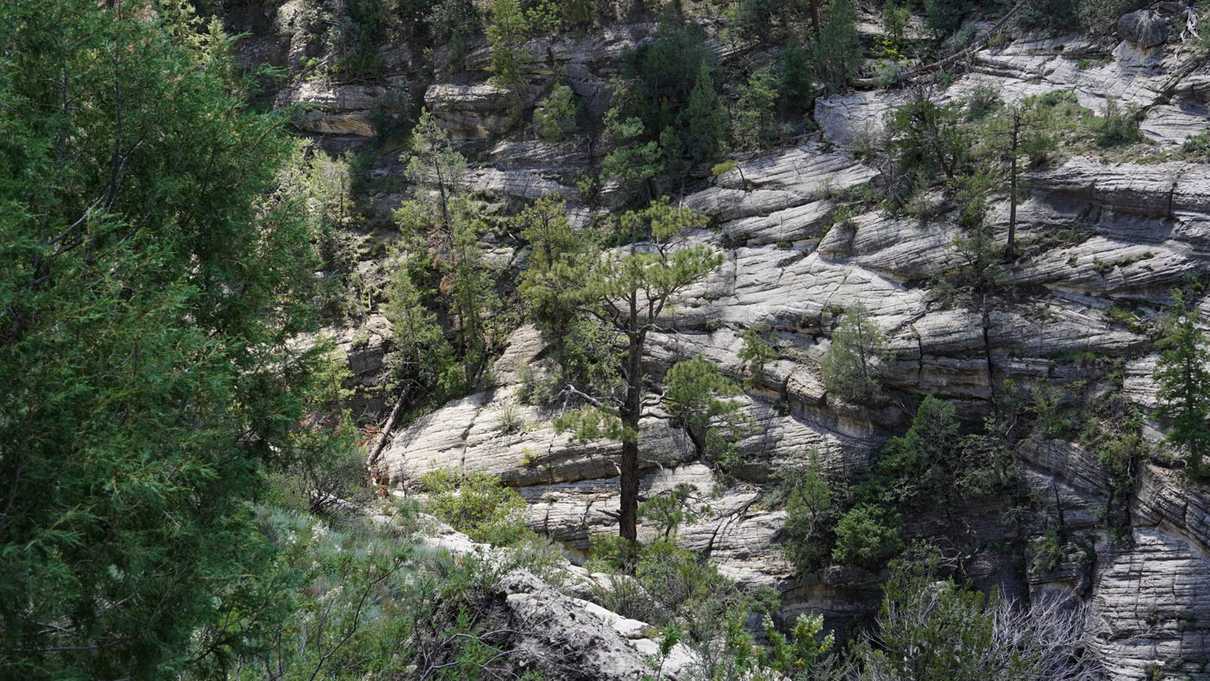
(153, 269)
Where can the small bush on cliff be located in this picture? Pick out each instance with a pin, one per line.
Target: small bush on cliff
(555, 115)
(1116, 128)
(852, 366)
(1184, 383)
(811, 515)
(506, 33)
(935, 629)
(478, 506)
(867, 536)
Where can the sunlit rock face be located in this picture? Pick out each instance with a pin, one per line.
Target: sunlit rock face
(1098, 234)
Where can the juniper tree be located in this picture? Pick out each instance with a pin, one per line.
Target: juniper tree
(153, 269)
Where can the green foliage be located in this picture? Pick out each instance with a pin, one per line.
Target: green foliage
(670, 509)
(421, 360)
(755, 353)
(327, 467)
(357, 38)
(981, 102)
(895, 19)
(673, 587)
(506, 33)
(1116, 128)
(670, 112)
(700, 399)
(1049, 14)
(154, 265)
(976, 247)
(323, 185)
(798, 655)
(454, 24)
(432, 162)
(945, 16)
(836, 49)
(867, 536)
(796, 78)
(1184, 383)
(477, 505)
(364, 600)
(934, 629)
(626, 291)
(1198, 145)
(555, 115)
(922, 465)
(928, 139)
(754, 18)
(852, 365)
(811, 515)
(665, 71)
(633, 161)
(940, 635)
(753, 124)
(704, 119)
(441, 229)
(578, 13)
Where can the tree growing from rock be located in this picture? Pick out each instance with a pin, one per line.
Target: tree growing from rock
(852, 366)
(970, 636)
(625, 290)
(1184, 384)
(434, 164)
(441, 234)
(506, 33)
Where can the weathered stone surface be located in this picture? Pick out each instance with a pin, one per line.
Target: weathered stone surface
(568, 638)
(1150, 615)
(473, 111)
(1160, 190)
(335, 109)
(770, 184)
(1175, 123)
(1068, 480)
(562, 635)
(1165, 499)
(1145, 28)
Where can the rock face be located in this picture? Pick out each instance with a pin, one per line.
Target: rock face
(473, 111)
(1145, 28)
(336, 109)
(1103, 240)
(561, 635)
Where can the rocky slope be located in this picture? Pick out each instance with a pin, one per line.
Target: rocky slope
(1097, 232)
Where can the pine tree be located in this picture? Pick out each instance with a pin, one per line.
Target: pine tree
(433, 164)
(1184, 384)
(441, 232)
(626, 290)
(507, 34)
(704, 119)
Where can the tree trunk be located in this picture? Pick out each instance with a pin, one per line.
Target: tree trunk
(1010, 249)
(628, 514)
(815, 20)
